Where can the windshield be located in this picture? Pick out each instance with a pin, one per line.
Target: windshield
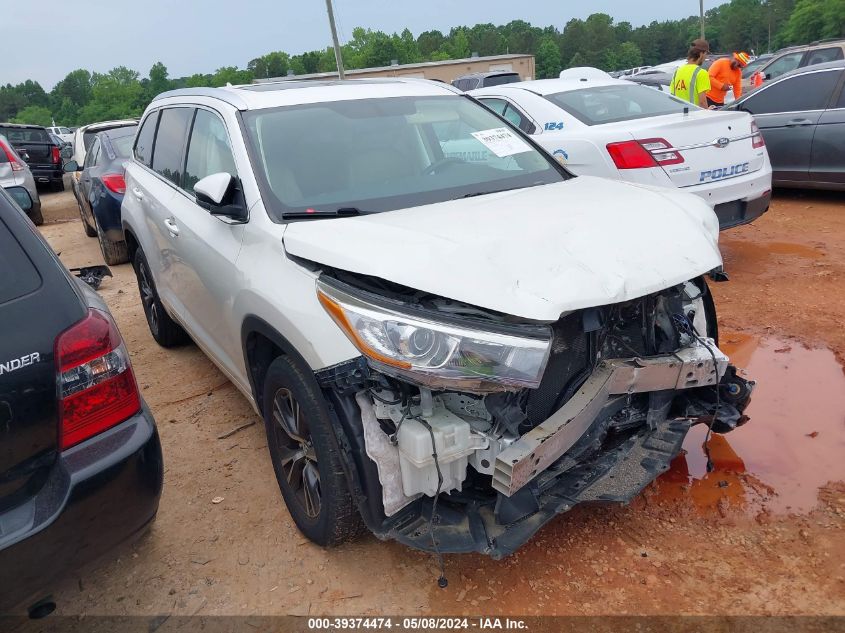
(377, 155)
(609, 104)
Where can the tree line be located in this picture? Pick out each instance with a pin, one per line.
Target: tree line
(752, 25)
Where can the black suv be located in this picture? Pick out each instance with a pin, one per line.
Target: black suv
(80, 459)
(40, 152)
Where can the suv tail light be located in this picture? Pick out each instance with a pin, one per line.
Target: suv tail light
(97, 388)
(644, 153)
(57, 155)
(114, 183)
(757, 139)
(14, 162)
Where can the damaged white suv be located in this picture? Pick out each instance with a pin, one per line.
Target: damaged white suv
(447, 352)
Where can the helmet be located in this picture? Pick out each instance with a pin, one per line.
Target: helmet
(742, 59)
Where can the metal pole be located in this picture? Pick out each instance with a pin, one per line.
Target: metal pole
(701, 14)
(337, 55)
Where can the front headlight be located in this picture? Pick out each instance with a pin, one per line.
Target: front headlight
(434, 352)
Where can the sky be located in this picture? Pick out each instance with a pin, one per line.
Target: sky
(199, 36)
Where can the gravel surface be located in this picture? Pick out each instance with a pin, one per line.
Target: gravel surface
(762, 534)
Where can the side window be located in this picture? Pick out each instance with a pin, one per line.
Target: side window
(209, 151)
(144, 144)
(783, 64)
(170, 143)
(519, 120)
(824, 55)
(795, 94)
(496, 105)
(93, 153)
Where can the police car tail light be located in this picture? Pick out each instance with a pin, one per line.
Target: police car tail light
(96, 386)
(656, 147)
(630, 155)
(757, 139)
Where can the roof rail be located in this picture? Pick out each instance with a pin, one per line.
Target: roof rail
(228, 95)
(826, 41)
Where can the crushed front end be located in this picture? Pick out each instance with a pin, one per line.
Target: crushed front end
(466, 431)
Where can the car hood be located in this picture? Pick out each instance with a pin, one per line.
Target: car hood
(534, 253)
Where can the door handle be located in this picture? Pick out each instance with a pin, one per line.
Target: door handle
(172, 228)
(138, 193)
(797, 122)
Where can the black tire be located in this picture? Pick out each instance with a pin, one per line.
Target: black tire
(306, 456)
(165, 330)
(90, 231)
(36, 216)
(113, 252)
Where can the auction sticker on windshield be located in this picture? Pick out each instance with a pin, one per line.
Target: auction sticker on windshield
(502, 142)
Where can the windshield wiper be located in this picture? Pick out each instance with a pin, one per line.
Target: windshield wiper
(313, 214)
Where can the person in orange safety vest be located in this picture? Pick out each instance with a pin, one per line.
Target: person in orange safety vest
(726, 73)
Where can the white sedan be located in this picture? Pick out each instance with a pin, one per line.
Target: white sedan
(599, 126)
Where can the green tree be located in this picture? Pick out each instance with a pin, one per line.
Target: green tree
(459, 45)
(548, 59)
(34, 115)
(814, 19)
(429, 42)
(230, 75)
(628, 55)
(159, 81)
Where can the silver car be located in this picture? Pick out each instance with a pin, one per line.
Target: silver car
(15, 172)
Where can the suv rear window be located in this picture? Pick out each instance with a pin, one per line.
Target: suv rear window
(20, 276)
(25, 134)
(609, 104)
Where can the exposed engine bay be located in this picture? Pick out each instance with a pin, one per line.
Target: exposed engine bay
(615, 394)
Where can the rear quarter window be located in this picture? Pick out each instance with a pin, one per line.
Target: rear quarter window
(20, 277)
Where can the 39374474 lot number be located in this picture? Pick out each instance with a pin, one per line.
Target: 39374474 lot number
(413, 623)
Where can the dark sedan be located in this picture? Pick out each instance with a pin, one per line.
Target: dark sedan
(101, 190)
(802, 117)
(80, 458)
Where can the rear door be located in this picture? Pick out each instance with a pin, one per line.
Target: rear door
(827, 159)
(85, 180)
(207, 246)
(37, 303)
(787, 112)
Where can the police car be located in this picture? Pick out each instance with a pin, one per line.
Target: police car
(600, 126)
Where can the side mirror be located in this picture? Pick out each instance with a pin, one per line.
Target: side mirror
(21, 196)
(219, 194)
(67, 151)
(72, 166)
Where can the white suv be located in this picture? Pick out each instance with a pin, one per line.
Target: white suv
(496, 334)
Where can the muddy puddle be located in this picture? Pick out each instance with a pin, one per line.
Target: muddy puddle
(793, 444)
(751, 258)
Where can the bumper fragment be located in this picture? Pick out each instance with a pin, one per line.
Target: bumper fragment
(691, 367)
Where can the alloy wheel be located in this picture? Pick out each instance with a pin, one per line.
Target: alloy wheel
(298, 457)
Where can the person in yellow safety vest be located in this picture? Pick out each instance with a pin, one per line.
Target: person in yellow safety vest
(726, 74)
(691, 82)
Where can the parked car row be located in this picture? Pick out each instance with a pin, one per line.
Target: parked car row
(405, 282)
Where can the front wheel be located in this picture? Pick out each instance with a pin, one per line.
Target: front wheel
(306, 456)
